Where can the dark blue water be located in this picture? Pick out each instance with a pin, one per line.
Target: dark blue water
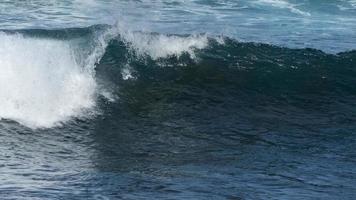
(177, 100)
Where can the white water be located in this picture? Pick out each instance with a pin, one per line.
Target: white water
(45, 82)
(284, 5)
(41, 84)
(159, 45)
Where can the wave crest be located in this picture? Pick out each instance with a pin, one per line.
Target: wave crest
(50, 76)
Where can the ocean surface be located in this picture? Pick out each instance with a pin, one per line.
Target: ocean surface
(184, 99)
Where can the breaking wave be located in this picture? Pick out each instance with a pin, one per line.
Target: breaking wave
(51, 76)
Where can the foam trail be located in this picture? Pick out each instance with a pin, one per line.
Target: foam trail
(353, 3)
(284, 5)
(41, 82)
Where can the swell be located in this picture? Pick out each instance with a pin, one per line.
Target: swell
(225, 62)
(60, 74)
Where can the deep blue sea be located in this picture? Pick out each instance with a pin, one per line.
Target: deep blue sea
(181, 99)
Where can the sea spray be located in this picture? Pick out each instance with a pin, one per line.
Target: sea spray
(47, 81)
(42, 85)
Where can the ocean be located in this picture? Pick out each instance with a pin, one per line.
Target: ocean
(184, 99)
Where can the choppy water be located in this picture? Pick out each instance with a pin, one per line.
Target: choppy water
(177, 100)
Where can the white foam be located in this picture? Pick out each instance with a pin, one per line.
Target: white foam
(161, 46)
(126, 72)
(284, 5)
(41, 83)
(353, 3)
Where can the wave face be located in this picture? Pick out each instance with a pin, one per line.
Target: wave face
(50, 77)
(198, 99)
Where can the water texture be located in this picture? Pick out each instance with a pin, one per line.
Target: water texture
(107, 99)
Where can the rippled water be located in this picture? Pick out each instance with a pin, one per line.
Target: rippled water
(104, 99)
(328, 25)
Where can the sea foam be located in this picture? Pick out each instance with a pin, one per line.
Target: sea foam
(284, 5)
(159, 45)
(41, 83)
